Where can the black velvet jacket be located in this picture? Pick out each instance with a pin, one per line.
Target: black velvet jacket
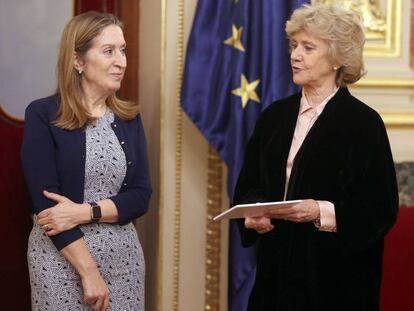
(345, 159)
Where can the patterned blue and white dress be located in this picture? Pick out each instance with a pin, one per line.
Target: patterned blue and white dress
(116, 249)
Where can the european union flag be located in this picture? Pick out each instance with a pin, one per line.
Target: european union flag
(237, 63)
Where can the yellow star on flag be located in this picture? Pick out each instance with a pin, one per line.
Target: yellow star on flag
(247, 91)
(234, 40)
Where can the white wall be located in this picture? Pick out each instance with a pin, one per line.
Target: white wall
(29, 38)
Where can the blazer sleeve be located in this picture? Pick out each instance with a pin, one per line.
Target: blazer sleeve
(39, 167)
(367, 205)
(133, 199)
(249, 188)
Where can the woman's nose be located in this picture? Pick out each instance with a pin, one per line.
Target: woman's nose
(120, 60)
(294, 54)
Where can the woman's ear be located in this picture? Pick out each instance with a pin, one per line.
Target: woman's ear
(78, 63)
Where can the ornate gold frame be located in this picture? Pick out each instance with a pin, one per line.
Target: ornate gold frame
(391, 47)
(393, 120)
(178, 155)
(161, 209)
(212, 261)
(213, 232)
(398, 120)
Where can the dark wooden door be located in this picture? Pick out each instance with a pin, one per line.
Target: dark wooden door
(16, 220)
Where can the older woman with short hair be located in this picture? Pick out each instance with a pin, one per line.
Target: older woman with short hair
(343, 33)
(330, 150)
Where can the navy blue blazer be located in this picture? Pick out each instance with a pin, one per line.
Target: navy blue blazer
(54, 160)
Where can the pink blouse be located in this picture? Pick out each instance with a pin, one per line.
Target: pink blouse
(306, 118)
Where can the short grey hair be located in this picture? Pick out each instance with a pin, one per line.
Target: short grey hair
(341, 29)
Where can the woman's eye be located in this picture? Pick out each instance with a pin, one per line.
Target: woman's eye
(123, 51)
(108, 51)
(308, 48)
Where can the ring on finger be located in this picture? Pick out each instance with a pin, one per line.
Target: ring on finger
(46, 227)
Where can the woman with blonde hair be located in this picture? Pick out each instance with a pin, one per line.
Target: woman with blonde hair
(85, 163)
(324, 147)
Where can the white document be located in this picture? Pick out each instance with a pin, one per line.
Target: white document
(254, 209)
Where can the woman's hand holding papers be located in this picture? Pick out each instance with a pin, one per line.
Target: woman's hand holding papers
(305, 211)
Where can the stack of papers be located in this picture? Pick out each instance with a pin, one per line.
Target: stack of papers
(254, 209)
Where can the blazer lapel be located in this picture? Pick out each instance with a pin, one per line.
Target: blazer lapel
(279, 146)
(312, 140)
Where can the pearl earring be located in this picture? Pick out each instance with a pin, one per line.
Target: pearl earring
(335, 68)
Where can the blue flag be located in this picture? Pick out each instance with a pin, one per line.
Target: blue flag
(237, 64)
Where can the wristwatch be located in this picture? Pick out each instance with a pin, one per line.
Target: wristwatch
(96, 213)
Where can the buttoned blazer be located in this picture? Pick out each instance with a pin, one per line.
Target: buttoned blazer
(53, 159)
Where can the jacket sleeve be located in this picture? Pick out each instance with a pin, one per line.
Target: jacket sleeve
(133, 199)
(39, 167)
(367, 205)
(249, 188)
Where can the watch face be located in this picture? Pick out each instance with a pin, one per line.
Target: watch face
(96, 211)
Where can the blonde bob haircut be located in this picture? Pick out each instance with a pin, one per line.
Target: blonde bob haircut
(341, 29)
(77, 38)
